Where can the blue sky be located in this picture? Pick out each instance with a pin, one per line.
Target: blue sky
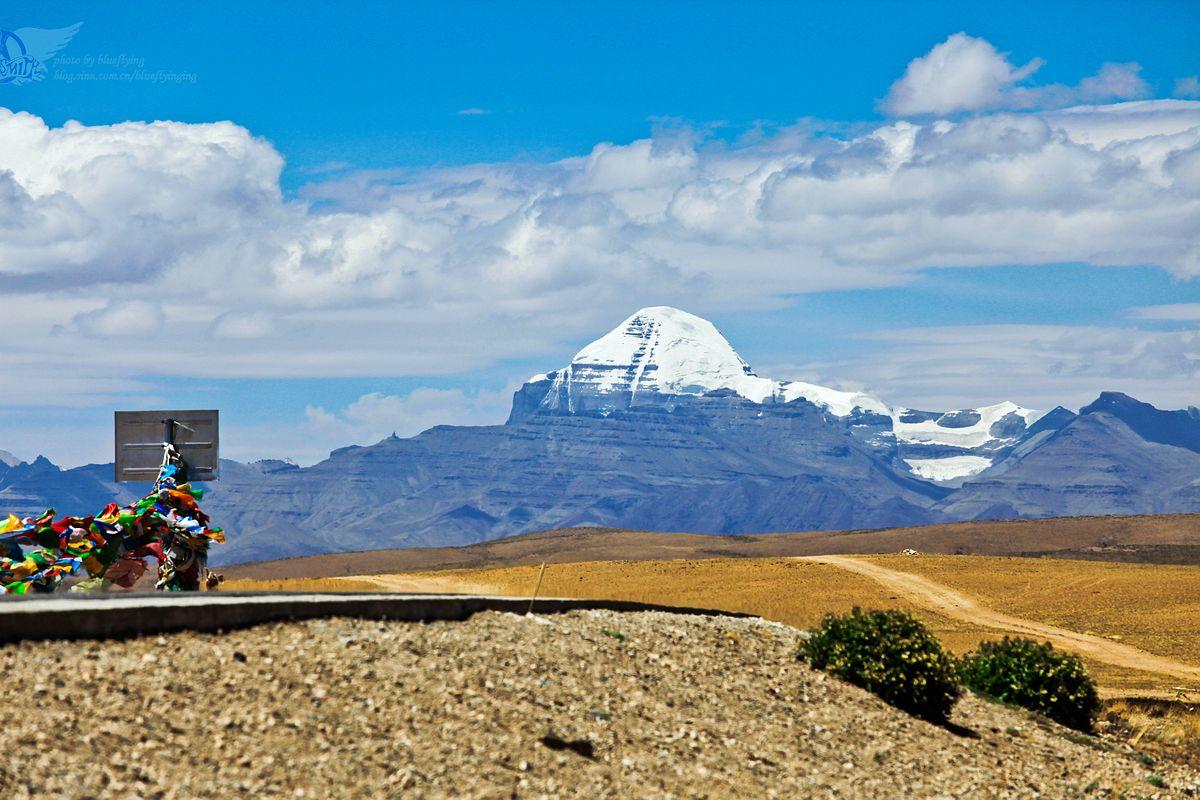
(361, 116)
(378, 85)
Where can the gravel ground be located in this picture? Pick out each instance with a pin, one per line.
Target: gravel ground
(586, 704)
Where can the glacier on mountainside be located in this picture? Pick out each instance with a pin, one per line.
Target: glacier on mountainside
(948, 467)
(972, 427)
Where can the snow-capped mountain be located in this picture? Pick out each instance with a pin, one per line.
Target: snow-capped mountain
(660, 354)
(660, 425)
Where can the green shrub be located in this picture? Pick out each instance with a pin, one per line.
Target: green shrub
(889, 653)
(1034, 676)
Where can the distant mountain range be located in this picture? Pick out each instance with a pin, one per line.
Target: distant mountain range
(660, 425)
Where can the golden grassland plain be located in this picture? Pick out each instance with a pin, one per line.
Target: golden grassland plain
(1163, 538)
(1154, 607)
(793, 592)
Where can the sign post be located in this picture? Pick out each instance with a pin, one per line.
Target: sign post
(172, 449)
(143, 440)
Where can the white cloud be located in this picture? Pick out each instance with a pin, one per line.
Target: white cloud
(473, 111)
(1188, 87)
(326, 168)
(241, 325)
(1038, 366)
(121, 318)
(1114, 82)
(967, 73)
(963, 73)
(375, 416)
(180, 235)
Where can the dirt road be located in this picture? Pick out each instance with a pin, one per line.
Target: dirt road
(951, 603)
(422, 584)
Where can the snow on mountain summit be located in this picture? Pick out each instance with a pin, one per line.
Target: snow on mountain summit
(660, 354)
(668, 350)
(665, 351)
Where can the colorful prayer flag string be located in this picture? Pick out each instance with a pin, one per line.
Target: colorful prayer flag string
(113, 546)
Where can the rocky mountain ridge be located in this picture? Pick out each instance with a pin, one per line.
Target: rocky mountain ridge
(660, 425)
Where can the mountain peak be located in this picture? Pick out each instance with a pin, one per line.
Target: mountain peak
(669, 313)
(1178, 428)
(663, 349)
(1113, 400)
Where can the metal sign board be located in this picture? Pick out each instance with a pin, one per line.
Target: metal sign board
(140, 436)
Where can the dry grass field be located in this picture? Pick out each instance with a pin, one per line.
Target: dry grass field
(1163, 538)
(1154, 608)
(793, 592)
(1168, 728)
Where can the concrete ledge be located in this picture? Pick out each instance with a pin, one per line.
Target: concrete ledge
(114, 616)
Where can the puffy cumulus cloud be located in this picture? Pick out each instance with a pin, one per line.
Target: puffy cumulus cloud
(1114, 81)
(307, 435)
(375, 416)
(963, 73)
(1039, 366)
(993, 190)
(112, 203)
(180, 235)
(121, 318)
(966, 73)
(1188, 87)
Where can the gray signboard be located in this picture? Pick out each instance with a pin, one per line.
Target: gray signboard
(140, 436)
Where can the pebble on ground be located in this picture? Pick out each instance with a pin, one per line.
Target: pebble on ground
(585, 704)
